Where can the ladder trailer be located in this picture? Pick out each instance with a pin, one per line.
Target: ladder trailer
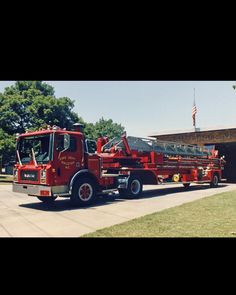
(55, 162)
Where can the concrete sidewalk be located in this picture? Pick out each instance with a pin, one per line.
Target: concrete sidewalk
(24, 216)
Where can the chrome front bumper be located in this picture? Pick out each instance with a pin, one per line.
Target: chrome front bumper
(31, 189)
(35, 189)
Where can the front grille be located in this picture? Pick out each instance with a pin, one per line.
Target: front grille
(29, 175)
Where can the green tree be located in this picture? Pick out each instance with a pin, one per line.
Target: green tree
(30, 104)
(104, 127)
(7, 146)
(109, 128)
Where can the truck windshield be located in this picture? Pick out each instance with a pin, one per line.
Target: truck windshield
(41, 145)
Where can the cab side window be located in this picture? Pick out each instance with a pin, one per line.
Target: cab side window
(91, 146)
(60, 144)
(73, 144)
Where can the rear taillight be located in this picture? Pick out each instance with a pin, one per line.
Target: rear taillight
(45, 193)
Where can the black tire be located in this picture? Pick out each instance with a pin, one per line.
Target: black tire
(47, 200)
(122, 192)
(186, 185)
(84, 192)
(215, 181)
(134, 189)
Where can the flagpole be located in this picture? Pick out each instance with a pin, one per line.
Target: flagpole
(194, 115)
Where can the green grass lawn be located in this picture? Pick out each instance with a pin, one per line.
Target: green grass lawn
(5, 179)
(213, 216)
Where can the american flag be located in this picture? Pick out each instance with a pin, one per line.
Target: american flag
(194, 112)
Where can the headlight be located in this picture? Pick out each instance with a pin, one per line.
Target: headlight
(43, 176)
(15, 174)
(43, 173)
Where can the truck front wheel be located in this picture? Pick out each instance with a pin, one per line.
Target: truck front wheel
(134, 188)
(83, 192)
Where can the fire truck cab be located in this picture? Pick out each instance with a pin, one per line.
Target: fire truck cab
(49, 160)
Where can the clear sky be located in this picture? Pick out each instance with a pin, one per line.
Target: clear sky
(146, 107)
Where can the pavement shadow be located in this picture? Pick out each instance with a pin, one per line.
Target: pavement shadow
(172, 190)
(63, 204)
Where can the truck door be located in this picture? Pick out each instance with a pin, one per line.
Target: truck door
(68, 156)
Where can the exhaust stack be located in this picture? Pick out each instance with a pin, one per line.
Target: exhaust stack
(78, 127)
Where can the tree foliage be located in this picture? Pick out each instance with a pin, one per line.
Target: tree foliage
(7, 146)
(30, 104)
(103, 127)
(108, 128)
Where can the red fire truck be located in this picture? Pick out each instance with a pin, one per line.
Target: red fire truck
(56, 162)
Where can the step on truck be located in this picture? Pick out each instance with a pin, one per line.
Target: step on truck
(55, 162)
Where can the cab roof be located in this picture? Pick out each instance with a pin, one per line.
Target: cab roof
(42, 132)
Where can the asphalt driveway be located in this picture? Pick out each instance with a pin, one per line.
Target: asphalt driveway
(24, 216)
